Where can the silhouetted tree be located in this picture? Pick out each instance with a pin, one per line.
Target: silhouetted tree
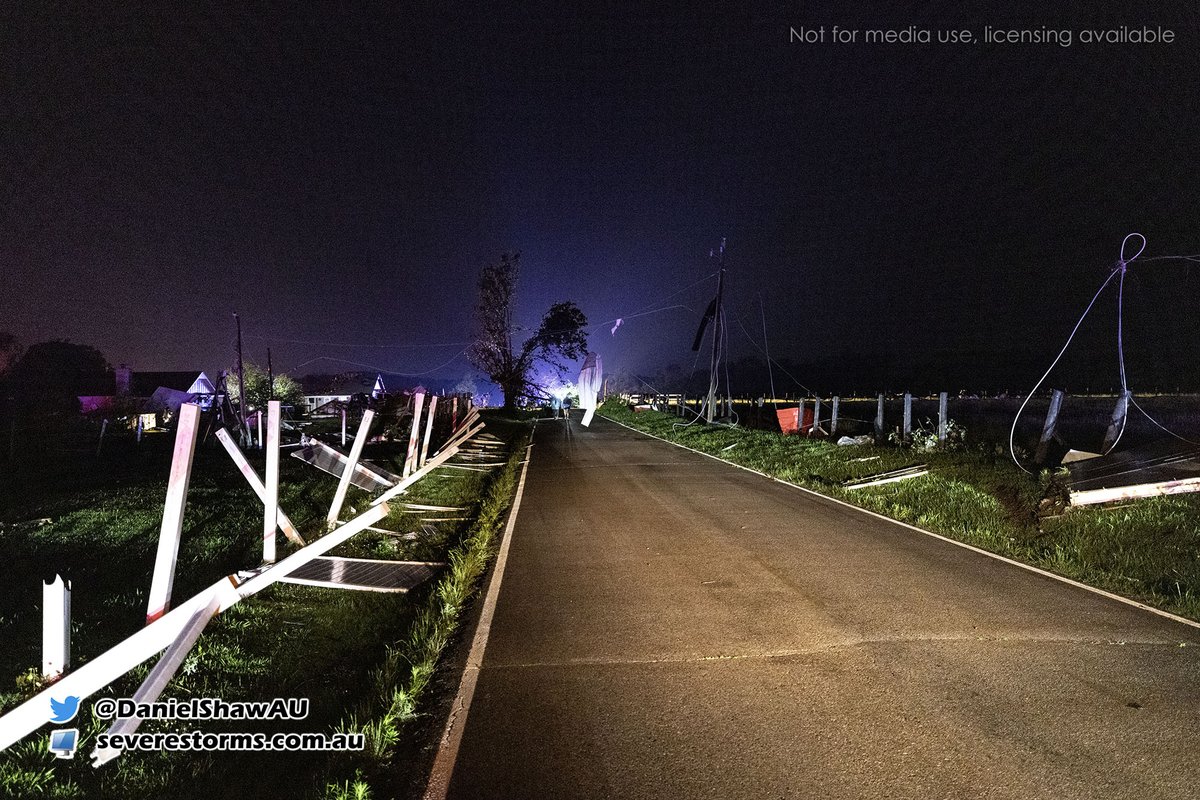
(50, 376)
(560, 336)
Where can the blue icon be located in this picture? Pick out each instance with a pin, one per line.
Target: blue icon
(64, 710)
(63, 742)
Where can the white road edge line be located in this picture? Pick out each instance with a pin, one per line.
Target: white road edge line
(964, 545)
(447, 754)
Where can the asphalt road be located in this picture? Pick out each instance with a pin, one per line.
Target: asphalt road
(669, 626)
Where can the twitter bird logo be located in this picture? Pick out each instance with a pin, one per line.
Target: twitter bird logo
(64, 710)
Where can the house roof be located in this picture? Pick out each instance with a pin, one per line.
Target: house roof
(143, 384)
(348, 383)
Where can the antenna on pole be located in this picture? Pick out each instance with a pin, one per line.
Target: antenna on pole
(714, 359)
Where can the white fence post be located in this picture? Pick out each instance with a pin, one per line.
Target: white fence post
(56, 627)
(1117, 425)
(270, 480)
(172, 524)
(816, 426)
(907, 429)
(351, 463)
(343, 426)
(256, 483)
(428, 431)
(942, 420)
(879, 419)
(414, 435)
(260, 438)
(1050, 428)
(833, 417)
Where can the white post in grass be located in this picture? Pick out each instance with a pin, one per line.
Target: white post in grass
(833, 417)
(140, 426)
(343, 426)
(1117, 426)
(428, 431)
(907, 430)
(410, 460)
(879, 419)
(942, 418)
(1050, 428)
(454, 415)
(256, 483)
(151, 640)
(816, 426)
(270, 480)
(172, 523)
(351, 463)
(260, 439)
(56, 627)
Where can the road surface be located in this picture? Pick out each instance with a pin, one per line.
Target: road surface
(669, 626)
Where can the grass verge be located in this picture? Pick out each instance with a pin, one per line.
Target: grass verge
(400, 682)
(1147, 550)
(98, 523)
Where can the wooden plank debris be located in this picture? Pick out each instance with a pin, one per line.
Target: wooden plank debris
(891, 476)
(1161, 468)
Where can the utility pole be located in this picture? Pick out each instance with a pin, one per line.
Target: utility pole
(716, 345)
(241, 381)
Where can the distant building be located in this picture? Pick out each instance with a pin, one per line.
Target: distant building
(322, 391)
(153, 391)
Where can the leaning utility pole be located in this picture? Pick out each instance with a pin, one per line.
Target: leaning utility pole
(241, 381)
(711, 406)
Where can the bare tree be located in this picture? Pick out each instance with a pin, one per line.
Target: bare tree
(560, 336)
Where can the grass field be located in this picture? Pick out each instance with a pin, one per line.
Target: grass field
(1148, 550)
(361, 658)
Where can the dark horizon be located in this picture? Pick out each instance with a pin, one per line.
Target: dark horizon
(339, 180)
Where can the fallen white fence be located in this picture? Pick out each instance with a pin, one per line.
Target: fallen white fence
(177, 629)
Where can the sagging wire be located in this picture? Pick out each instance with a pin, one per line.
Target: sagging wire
(782, 369)
(649, 309)
(722, 357)
(354, 344)
(385, 370)
(767, 353)
(1117, 270)
(1158, 424)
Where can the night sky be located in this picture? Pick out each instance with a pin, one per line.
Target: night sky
(339, 174)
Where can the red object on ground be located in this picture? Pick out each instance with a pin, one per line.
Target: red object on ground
(788, 418)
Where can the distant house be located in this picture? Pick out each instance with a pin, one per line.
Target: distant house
(154, 392)
(323, 392)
